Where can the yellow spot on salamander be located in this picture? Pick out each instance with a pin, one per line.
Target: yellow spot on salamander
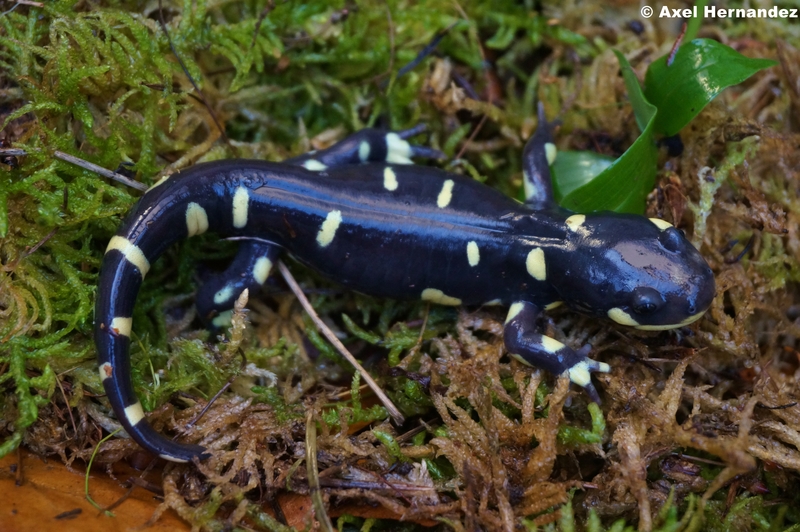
(223, 295)
(122, 326)
(579, 373)
(106, 371)
(131, 252)
(520, 359)
(575, 221)
(550, 152)
(363, 151)
(398, 151)
(437, 296)
(661, 224)
(389, 179)
(223, 320)
(261, 269)
(196, 219)
(536, 265)
(514, 310)
(473, 253)
(241, 203)
(314, 165)
(134, 413)
(554, 304)
(328, 229)
(446, 194)
(530, 190)
(551, 345)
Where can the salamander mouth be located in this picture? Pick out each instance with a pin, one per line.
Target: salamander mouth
(623, 318)
(687, 321)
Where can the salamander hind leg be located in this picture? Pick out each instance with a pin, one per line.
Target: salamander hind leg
(367, 146)
(537, 350)
(537, 157)
(249, 270)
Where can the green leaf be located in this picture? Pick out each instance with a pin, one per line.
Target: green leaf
(624, 185)
(702, 69)
(573, 169)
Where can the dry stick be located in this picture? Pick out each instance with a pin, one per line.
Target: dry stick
(298, 292)
(69, 408)
(77, 161)
(217, 395)
(189, 75)
(264, 12)
(29, 3)
(99, 170)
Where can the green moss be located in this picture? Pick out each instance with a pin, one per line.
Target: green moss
(573, 436)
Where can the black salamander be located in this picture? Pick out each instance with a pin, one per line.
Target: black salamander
(360, 214)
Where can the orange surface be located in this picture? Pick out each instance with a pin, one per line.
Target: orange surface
(51, 495)
(49, 489)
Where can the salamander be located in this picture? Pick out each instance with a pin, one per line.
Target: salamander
(361, 214)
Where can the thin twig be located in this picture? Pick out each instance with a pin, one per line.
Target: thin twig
(41, 242)
(99, 170)
(149, 486)
(298, 292)
(219, 393)
(312, 469)
(489, 101)
(189, 75)
(69, 408)
(472, 136)
(77, 161)
(691, 458)
(118, 502)
(422, 329)
(264, 12)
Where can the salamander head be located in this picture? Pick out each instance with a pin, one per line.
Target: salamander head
(637, 271)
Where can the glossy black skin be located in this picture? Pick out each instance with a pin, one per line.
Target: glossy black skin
(397, 243)
(625, 264)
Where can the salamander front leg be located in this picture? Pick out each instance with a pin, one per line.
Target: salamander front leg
(367, 145)
(250, 268)
(537, 350)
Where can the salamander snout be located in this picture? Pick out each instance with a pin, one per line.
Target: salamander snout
(675, 285)
(638, 272)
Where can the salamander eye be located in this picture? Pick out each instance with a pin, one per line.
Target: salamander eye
(672, 239)
(646, 300)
